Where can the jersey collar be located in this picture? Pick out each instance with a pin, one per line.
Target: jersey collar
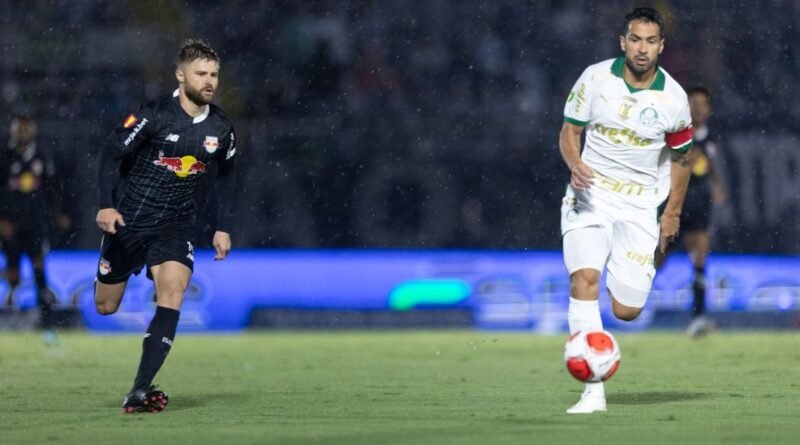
(658, 82)
(197, 119)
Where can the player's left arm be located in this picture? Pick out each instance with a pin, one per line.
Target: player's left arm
(680, 144)
(225, 185)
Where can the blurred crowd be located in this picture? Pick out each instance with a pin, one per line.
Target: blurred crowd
(386, 123)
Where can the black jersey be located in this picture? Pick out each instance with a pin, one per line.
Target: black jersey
(24, 178)
(697, 205)
(703, 157)
(150, 169)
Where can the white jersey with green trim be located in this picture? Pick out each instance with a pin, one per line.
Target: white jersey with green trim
(628, 131)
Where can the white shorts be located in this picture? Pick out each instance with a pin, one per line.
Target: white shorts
(598, 233)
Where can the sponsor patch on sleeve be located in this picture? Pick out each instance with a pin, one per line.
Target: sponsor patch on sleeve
(231, 148)
(130, 121)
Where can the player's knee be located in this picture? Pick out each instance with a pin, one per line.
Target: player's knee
(106, 307)
(585, 283)
(627, 301)
(171, 295)
(627, 313)
(106, 301)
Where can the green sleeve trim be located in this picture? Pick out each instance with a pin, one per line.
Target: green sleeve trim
(575, 122)
(685, 148)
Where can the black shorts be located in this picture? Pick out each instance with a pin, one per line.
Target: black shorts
(28, 239)
(127, 251)
(695, 218)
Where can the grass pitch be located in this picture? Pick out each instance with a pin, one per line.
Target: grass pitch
(400, 388)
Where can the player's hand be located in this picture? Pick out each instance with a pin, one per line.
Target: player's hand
(64, 222)
(222, 244)
(107, 220)
(6, 229)
(582, 176)
(670, 223)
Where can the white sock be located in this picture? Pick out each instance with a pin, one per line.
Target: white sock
(584, 315)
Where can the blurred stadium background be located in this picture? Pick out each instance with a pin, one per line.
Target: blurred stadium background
(402, 154)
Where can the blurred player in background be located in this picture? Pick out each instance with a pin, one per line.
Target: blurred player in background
(148, 173)
(26, 180)
(633, 113)
(706, 189)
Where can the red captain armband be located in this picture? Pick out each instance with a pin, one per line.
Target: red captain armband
(681, 140)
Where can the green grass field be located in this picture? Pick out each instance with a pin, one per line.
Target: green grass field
(401, 388)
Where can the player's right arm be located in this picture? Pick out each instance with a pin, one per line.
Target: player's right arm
(136, 130)
(569, 142)
(577, 113)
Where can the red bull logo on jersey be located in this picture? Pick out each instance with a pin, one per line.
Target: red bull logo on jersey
(211, 144)
(182, 166)
(105, 267)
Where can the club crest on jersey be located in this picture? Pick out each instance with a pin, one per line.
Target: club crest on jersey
(648, 117)
(211, 144)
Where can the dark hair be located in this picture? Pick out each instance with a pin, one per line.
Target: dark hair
(644, 15)
(699, 90)
(23, 117)
(193, 49)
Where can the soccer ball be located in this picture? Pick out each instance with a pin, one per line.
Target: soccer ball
(592, 356)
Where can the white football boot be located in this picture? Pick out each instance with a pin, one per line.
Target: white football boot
(591, 401)
(699, 327)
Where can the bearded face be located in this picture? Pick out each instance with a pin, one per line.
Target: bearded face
(199, 79)
(642, 44)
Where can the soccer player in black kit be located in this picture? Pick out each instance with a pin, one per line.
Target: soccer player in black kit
(147, 176)
(706, 188)
(26, 195)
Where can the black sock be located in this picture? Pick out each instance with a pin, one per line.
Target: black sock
(156, 345)
(44, 299)
(699, 288)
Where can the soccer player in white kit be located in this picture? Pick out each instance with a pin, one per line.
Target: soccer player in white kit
(638, 134)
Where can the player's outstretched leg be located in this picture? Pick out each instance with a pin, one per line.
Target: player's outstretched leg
(155, 347)
(585, 315)
(148, 400)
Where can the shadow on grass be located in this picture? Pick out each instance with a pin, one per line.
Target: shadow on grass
(191, 401)
(653, 397)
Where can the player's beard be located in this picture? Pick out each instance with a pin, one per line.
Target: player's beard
(638, 72)
(196, 96)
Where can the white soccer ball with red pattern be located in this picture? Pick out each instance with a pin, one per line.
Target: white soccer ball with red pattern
(592, 356)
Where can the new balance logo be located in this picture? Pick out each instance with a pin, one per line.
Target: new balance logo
(173, 137)
(166, 340)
